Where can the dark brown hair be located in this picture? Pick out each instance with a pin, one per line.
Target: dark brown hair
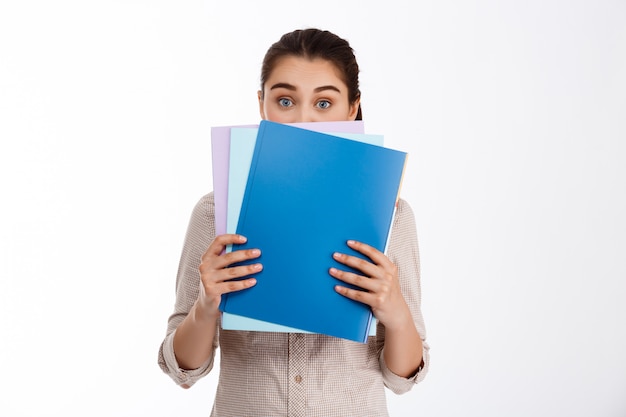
(316, 43)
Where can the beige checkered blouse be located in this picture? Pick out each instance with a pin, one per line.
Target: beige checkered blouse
(290, 374)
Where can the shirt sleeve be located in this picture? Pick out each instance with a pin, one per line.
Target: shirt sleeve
(200, 233)
(403, 251)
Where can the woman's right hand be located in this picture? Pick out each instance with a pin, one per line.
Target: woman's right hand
(216, 276)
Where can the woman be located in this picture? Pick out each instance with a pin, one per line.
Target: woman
(307, 76)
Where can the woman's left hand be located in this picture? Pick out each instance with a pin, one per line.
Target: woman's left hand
(379, 282)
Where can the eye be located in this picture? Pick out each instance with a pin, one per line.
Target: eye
(323, 104)
(285, 102)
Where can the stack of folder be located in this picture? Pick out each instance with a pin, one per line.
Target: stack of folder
(299, 192)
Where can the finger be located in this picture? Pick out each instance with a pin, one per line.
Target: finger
(233, 286)
(371, 252)
(216, 290)
(236, 272)
(357, 280)
(234, 257)
(222, 241)
(356, 295)
(216, 267)
(367, 268)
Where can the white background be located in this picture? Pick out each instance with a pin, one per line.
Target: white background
(513, 113)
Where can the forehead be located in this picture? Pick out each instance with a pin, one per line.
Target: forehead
(305, 72)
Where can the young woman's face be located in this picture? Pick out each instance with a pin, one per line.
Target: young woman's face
(303, 90)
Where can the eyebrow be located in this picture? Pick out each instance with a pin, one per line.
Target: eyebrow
(283, 85)
(291, 87)
(327, 87)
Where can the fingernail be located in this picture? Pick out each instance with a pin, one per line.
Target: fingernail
(255, 252)
(351, 242)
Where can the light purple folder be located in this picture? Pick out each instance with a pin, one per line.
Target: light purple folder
(220, 156)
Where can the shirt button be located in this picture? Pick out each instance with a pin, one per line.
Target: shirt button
(298, 379)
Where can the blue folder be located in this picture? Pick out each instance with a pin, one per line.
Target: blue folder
(307, 194)
(242, 142)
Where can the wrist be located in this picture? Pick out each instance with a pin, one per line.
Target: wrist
(203, 315)
(400, 322)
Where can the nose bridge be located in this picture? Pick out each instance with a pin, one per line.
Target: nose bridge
(307, 114)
